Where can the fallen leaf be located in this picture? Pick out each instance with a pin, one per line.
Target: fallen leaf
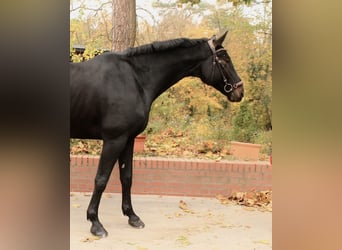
(226, 226)
(76, 205)
(262, 200)
(265, 242)
(237, 196)
(218, 159)
(223, 200)
(90, 239)
(179, 214)
(183, 241)
(249, 202)
(184, 207)
(107, 195)
(249, 208)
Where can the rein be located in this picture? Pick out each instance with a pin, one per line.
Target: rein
(228, 87)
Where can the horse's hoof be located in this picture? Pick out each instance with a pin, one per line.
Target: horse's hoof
(136, 223)
(98, 230)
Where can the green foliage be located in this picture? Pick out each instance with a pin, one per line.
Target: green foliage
(192, 108)
(240, 2)
(260, 90)
(235, 2)
(265, 139)
(192, 114)
(245, 127)
(87, 54)
(93, 30)
(192, 2)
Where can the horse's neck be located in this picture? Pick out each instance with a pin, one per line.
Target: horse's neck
(168, 68)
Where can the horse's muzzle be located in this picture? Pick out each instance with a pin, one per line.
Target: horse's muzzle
(236, 93)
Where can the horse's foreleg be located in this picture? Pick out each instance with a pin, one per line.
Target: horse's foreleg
(125, 164)
(108, 158)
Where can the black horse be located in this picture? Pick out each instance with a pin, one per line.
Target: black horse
(112, 94)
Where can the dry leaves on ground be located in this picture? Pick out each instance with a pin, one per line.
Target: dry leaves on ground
(265, 242)
(262, 200)
(223, 199)
(90, 239)
(182, 205)
(183, 241)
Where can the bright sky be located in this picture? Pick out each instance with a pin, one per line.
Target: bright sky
(147, 4)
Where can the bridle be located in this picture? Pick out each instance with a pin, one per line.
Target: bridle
(228, 87)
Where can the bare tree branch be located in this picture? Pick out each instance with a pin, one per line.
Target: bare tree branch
(91, 9)
(108, 33)
(148, 12)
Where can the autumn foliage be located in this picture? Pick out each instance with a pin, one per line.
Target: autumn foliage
(191, 119)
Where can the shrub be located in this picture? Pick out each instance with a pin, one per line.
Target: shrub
(265, 139)
(244, 125)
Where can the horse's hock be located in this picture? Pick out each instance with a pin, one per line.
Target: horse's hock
(164, 176)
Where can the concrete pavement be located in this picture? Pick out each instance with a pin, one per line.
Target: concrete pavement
(207, 225)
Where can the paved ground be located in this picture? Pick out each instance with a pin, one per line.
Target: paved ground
(211, 226)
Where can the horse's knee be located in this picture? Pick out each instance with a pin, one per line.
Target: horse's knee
(100, 184)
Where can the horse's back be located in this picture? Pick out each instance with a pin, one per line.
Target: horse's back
(104, 96)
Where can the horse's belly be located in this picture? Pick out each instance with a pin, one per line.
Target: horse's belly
(83, 129)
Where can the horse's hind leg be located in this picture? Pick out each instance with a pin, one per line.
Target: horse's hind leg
(125, 164)
(108, 158)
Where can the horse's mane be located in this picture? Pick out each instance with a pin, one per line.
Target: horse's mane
(164, 45)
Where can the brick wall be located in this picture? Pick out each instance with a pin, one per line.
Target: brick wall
(164, 176)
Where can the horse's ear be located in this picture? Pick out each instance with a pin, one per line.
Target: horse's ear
(220, 40)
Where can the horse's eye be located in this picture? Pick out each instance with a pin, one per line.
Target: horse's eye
(226, 58)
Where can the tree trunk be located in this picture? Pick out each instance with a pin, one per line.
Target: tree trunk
(124, 24)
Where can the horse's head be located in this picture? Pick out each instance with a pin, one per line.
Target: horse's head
(218, 71)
